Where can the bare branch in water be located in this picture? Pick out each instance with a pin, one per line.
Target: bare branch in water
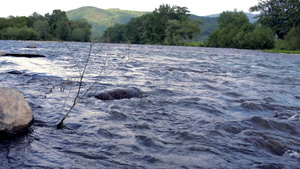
(82, 71)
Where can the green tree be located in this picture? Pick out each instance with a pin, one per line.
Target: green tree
(57, 18)
(190, 29)
(213, 40)
(240, 40)
(166, 12)
(172, 32)
(177, 31)
(48, 27)
(291, 40)
(115, 34)
(18, 22)
(135, 29)
(24, 33)
(62, 30)
(3, 23)
(167, 24)
(154, 29)
(80, 30)
(260, 38)
(159, 20)
(35, 17)
(235, 31)
(42, 28)
(10, 33)
(280, 15)
(229, 25)
(236, 18)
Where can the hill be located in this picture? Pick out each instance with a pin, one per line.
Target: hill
(100, 19)
(208, 25)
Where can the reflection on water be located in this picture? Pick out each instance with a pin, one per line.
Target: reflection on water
(203, 108)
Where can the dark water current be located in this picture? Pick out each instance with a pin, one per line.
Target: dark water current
(202, 108)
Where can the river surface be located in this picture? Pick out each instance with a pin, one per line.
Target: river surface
(201, 107)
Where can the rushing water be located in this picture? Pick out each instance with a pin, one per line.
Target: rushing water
(202, 108)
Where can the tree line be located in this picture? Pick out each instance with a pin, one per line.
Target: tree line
(278, 26)
(235, 31)
(55, 26)
(165, 25)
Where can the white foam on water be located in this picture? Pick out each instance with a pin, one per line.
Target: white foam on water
(295, 117)
(36, 66)
(292, 154)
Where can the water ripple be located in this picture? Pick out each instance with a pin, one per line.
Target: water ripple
(201, 108)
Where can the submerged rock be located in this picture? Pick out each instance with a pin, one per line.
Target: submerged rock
(16, 72)
(15, 113)
(31, 46)
(22, 55)
(118, 94)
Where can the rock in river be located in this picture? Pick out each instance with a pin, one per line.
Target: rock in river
(16, 72)
(118, 94)
(31, 46)
(15, 113)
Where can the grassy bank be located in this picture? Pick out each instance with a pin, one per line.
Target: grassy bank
(283, 51)
(196, 44)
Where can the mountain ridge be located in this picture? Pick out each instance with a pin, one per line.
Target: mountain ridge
(101, 19)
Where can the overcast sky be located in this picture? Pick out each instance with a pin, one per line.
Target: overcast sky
(197, 7)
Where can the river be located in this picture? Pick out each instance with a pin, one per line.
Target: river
(201, 107)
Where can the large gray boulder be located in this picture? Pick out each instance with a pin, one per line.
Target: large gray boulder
(15, 113)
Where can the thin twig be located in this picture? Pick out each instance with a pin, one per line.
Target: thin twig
(64, 105)
(82, 73)
(77, 64)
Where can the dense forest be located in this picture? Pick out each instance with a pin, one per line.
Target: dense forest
(277, 17)
(235, 31)
(165, 25)
(278, 26)
(55, 26)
